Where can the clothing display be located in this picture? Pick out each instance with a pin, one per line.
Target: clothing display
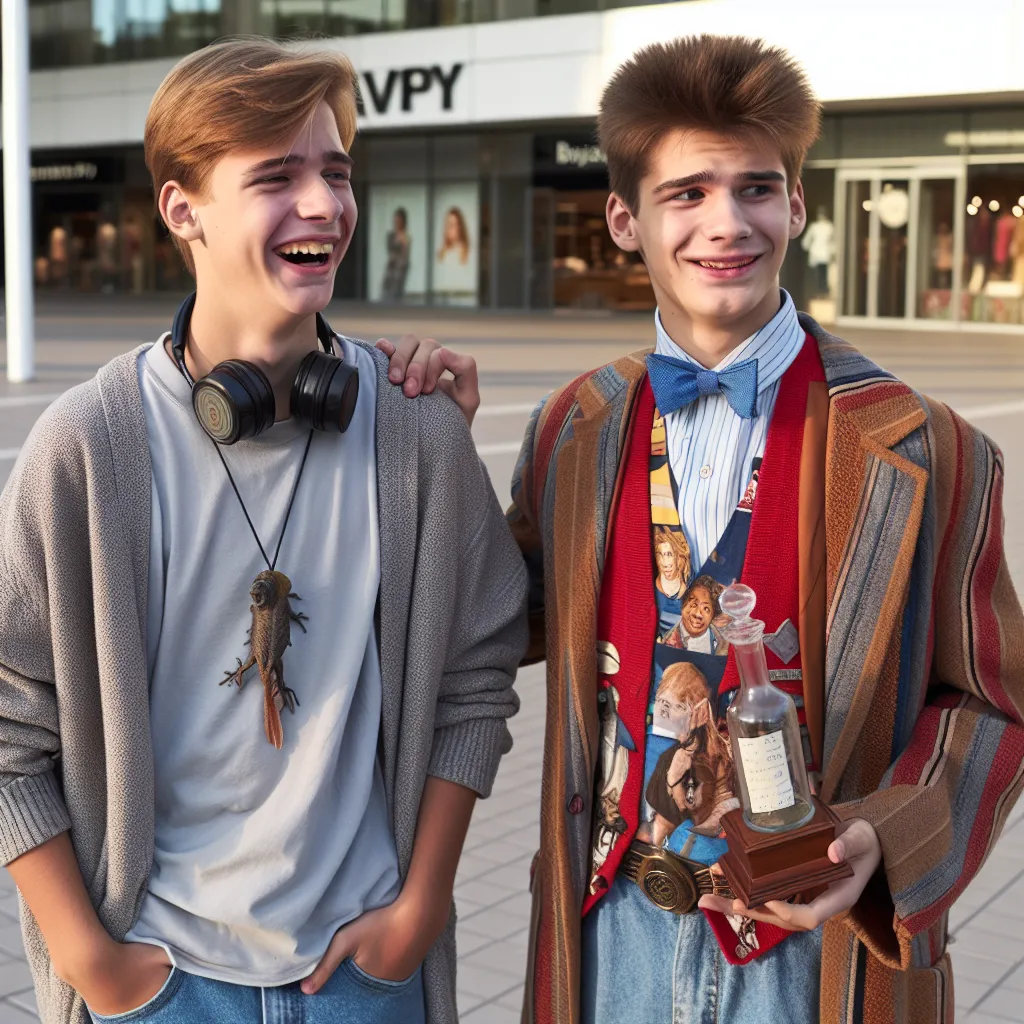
(253, 897)
(819, 243)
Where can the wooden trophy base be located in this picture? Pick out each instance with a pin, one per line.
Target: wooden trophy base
(763, 866)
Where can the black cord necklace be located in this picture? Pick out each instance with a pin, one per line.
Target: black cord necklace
(271, 610)
(271, 565)
(272, 616)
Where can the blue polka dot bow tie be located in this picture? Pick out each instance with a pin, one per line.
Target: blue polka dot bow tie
(677, 383)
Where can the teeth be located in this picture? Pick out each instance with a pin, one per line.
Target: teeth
(722, 265)
(307, 249)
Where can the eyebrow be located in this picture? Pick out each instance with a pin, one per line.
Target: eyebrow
(710, 178)
(332, 156)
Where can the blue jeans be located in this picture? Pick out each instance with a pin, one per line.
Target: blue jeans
(640, 963)
(351, 996)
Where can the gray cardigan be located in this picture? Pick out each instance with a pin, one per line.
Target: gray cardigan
(75, 747)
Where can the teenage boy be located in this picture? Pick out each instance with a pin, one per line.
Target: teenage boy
(282, 847)
(873, 541)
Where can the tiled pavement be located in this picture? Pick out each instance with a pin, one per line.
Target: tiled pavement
(987, 924)
(494, 905)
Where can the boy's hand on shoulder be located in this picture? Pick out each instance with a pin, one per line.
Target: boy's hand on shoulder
(858, 845)
(418, 365)
(120, 977)
(389, 943)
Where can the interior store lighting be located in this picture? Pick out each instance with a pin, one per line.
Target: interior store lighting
(976, 201)
(1018, 212)
(971, 209)
(1020, 200)
(866, 206)
(994, 206)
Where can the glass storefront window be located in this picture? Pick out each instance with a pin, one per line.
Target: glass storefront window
(994, 244)
(66, 33)
(935, 249)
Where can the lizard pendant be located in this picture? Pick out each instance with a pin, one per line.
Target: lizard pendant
(269, 637)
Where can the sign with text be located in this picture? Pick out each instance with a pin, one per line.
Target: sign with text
(409, 95)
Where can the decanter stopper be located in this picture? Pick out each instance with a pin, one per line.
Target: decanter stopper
(737, 601)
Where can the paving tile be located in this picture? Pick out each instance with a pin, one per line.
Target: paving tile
(10, 1014)
(491, 1013)
(989, 925)
(1016, 980)
(967, 993)
(466, 941)
(512, 1000)
(499, 956)
(484, 892)
(466, 1001)
(485, 983)
(25, 1001)
(978, 968)
(14, 977)
(10, 939)
(1003, 1003)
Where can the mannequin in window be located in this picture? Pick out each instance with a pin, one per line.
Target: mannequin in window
(942, 257)
(819, 244)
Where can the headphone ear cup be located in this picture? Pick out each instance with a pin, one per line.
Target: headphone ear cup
(324, 392)
(234, 401)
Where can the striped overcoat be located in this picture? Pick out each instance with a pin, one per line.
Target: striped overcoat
(912, 644)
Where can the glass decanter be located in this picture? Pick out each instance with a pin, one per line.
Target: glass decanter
(763, 728)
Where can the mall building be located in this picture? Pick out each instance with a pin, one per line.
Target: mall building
(478, 177)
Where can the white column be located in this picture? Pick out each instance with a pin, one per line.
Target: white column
(17, 192)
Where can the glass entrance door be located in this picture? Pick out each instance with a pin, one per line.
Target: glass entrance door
(900, 240)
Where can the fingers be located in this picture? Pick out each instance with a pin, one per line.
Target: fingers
(465, 388)
(342, 946)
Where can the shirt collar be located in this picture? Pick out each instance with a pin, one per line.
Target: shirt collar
(774, 346)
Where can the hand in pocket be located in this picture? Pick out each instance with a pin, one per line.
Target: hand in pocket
(129, 975)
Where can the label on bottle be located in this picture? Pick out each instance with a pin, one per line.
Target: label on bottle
(766, 772)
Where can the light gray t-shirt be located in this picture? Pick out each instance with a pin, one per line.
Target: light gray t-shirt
(262, 854)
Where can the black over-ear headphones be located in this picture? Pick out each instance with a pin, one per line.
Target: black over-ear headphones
(235, 401)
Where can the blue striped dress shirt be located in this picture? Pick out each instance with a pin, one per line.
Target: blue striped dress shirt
(711, 447)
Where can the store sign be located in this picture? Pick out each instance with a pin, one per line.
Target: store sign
(79, 171)
(399, 87)
(996, 139)
(568, 155)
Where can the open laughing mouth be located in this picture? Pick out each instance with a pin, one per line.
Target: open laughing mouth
(306, 254)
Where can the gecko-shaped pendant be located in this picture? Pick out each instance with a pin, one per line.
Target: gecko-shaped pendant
(269, 637)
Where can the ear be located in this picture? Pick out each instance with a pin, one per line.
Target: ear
(621, 224)
(178, 214)
(797, 211)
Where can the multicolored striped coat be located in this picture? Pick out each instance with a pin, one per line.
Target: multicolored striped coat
(912, 641)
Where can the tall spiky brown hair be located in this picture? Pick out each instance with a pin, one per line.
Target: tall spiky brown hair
(729, 85)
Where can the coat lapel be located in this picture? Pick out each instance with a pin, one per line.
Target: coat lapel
(587, 483)
(873, 503)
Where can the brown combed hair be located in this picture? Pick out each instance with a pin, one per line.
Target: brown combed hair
(240, 94)
(725, 84)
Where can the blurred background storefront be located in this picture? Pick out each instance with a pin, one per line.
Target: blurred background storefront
(479, 181)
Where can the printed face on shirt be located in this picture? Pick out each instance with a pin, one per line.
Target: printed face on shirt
(698, 611)
(714, 219)
(668, 564)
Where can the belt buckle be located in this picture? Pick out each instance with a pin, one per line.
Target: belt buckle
(667, 883)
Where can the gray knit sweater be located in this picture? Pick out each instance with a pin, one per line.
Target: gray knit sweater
(75, 749)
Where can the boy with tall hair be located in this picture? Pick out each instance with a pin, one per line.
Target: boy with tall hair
(281, 846)
(872, 539)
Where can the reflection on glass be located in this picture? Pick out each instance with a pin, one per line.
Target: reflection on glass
(893, 212)
(994, 245)
(72, 32)
(935, 250)
(858, 244)
(589, 270)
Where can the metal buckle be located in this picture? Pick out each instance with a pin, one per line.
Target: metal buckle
(667, 883)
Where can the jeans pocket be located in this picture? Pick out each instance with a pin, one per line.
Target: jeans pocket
(377, 984)
(148, 1008)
